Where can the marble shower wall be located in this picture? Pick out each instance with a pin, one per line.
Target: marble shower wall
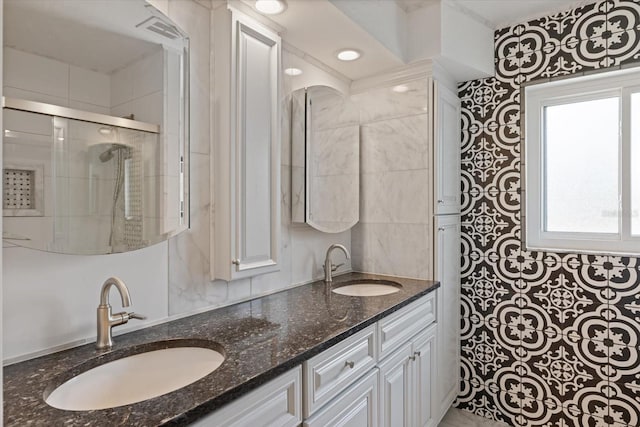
(394, 233)
(548, 339)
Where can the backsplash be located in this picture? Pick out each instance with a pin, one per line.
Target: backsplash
(548, 339)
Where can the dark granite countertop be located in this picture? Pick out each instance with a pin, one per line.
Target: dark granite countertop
(262, 338)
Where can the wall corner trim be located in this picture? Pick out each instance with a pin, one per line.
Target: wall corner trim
(413, 71)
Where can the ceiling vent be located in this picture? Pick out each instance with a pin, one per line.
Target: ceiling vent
(158, 26)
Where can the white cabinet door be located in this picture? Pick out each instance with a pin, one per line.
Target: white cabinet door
(396, 388)
(447, 271)
(246, 186)
(446, 110)
(356, 407)
(424, 373)
(408, 375)
(275, 404)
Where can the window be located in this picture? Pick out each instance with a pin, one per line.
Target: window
(582, 163)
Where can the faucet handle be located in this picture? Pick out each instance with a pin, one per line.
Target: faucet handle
(334, 267)
(136, 316)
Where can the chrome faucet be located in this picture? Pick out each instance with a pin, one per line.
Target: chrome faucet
(106, 320)
(329, 267)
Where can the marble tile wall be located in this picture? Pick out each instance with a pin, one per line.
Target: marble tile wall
(302, 249)
(138, 89)
(394, 233)
(37, 78)
(548, 339)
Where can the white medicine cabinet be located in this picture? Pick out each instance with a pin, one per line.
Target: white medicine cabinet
(246, 146)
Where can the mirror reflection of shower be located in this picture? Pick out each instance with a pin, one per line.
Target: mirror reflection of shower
(64, 150)
(122, 155)
(97, 185)
(108, 154)
(122, 151)
(101, 172)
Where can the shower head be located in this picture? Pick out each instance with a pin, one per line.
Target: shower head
(107, 155)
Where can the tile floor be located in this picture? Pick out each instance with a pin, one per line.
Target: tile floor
(459, 418)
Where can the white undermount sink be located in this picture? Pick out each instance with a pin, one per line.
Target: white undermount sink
(367, 289)
(135, 378)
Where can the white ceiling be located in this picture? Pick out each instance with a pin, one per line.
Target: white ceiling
(320, 29)
(501, 13)
(85, 38)
(411, 5)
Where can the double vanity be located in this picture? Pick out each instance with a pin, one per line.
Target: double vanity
(314, 349)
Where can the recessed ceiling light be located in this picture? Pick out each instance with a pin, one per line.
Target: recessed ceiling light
(400, 89)
(349, 55)
(271, 7)
(293, 71)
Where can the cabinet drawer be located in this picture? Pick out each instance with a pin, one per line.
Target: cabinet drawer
(276, 403)
(395, 329)
(333, 370)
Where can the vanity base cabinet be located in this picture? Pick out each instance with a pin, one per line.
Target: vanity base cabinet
(356, 407)
(277, 403)
(407, 383)
(396, 388)
(400, 349)
(350, 384)
(424, 372)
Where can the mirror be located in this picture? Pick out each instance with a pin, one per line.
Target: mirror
(325, 144)
(95, 124)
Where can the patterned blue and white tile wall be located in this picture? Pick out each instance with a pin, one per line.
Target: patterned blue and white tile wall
(548, 339)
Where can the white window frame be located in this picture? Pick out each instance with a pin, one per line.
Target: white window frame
(621, 83)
